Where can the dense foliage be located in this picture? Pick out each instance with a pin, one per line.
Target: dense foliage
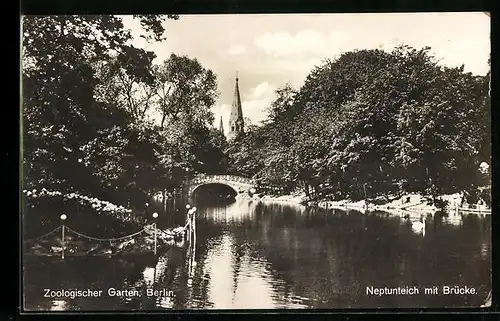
(89, 98)
(372, 123)
(102, 121)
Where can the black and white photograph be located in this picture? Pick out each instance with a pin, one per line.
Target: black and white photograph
(255, 161)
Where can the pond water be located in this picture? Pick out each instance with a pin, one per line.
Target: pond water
(255, 255)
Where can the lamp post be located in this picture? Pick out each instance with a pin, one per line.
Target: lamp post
(193, 222)
(191, 215)
(155, 215)
(63, 218)
(190, 250)
(188, 222)
(164, 201)
(186, 177)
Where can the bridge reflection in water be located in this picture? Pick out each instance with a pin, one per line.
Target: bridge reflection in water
(254, 255)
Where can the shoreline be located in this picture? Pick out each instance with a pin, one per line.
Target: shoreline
(413, 205)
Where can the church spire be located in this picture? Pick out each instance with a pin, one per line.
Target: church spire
(221, 126)
(236, 122)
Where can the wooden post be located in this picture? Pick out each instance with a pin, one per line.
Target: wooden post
(190, 229)
(154, 225)
(193, 249)
(164, 202)
(194, 229)
(167, 200)
(174, 196)
(155, 215)
(62, 239)
(63, 245)
(188, 222)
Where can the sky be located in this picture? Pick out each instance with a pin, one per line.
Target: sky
(270, 50)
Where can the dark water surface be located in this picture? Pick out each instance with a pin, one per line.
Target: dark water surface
(250, 254)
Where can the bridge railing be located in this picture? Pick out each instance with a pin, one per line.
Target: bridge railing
(229, 178)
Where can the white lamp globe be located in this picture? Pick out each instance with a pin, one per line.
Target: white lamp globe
(63, 217)
(155, 215)
(188, 206)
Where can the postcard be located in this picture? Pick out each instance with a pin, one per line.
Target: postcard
(255, 161)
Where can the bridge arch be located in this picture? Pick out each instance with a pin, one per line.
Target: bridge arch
(194, 188)
(238, 184)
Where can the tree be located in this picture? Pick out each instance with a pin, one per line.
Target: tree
(75, 137)
(244, 153)
(282, 107)
(372, 123)
(59, 53)
(132, 90)
(185, 91)
(209, 149)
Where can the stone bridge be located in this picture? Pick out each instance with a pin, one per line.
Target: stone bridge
(237, 183)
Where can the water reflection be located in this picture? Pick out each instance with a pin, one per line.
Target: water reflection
(237, 211)
(218, 261)
(249, 254)
(238, 280)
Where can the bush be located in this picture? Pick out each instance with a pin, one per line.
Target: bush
(42, 210)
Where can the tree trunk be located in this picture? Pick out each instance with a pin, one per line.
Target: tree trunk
(316, 192)
(163, 117)
(306, 189)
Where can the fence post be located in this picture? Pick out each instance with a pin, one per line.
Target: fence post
(155, 215)
(193, 221)
(188, 222)
(174, 196)
(63, 245)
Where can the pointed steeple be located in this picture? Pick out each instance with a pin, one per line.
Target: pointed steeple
(236, 122)
(221, 126)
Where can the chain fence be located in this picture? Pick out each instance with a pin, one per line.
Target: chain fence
(44, 235)
(65, 241)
